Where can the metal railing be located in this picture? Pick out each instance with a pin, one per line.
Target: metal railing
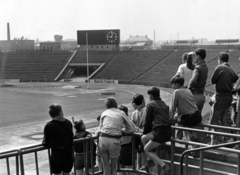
(204, 147)
(19, 155)
(21, 158)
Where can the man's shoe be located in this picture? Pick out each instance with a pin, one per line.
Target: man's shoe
(149, 164)
(144, 168)
(164, 169)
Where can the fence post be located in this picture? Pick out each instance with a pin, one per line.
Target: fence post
(201, 163)
(172, 152)
(186, 161)
(21, 162)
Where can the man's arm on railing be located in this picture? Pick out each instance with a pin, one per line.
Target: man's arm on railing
(45, 141)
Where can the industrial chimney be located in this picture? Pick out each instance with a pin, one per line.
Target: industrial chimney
(8, 32)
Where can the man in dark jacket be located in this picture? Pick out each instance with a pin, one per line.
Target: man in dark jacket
(224, 78)
(199, 77)
(58, 136)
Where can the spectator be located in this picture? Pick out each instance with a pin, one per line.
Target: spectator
(138, 118)
(58, 136)
(125, 158)
(183, 102)
(199, 77)
(157, 128)
(184, 71)
(99, 162)
(112, 122)
(236, 89)
(81, 133)
(223, 77)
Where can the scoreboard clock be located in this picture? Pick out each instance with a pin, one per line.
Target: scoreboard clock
(98, 37)
(112, 37)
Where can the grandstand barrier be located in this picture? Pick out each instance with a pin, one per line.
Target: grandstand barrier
(169, 153)
(146, 83)
(108, 81)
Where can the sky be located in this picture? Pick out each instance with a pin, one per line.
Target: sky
(170, 19)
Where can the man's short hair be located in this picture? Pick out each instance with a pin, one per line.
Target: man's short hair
(137, 99)
(55, 110)
(201, 52)
(223, 56)
(111, 102)
(184, 57)
(178, 79)
(154, 92)
(123, 108)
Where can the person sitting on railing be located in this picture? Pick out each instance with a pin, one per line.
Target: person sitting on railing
(157, 129)
(112, 122)
(81, 133)
(58, 136)
(183, 102)
(138, 118)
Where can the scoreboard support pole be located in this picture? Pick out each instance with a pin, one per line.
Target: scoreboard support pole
(87, 61)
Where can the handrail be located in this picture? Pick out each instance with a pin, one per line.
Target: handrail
(39, 147)
(207, 132)
(203, 149)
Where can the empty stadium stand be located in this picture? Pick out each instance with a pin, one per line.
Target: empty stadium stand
(32, 66)
(93, 56)
(135, 67)
(128, 65)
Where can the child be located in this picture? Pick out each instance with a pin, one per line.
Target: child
(81, 133)
(157, 129)
(58, 136)
(183, 102)
(138, 118)
(126, 146)
(99, 161)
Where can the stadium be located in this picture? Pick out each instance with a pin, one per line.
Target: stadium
(80, 79)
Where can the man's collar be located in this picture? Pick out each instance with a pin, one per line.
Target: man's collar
(201, 62)
(59, 118)
(157, 98)
(225, 63)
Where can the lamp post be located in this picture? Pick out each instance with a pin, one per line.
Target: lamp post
(87, 61)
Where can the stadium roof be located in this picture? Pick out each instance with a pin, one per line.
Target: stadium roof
(227, 40)
(132, 44)
(139, 39)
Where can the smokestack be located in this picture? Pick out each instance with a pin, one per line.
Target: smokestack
(8, 32)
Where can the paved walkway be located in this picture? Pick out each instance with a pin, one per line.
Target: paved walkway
(16, 136)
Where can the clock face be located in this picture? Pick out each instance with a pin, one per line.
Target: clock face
(112, 37)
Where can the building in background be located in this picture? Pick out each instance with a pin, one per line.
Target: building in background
(18, 44)
(50, 46)
(136, 43)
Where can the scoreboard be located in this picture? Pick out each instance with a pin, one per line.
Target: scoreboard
(98, 37)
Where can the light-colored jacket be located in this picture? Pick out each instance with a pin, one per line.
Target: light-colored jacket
(112, 122)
